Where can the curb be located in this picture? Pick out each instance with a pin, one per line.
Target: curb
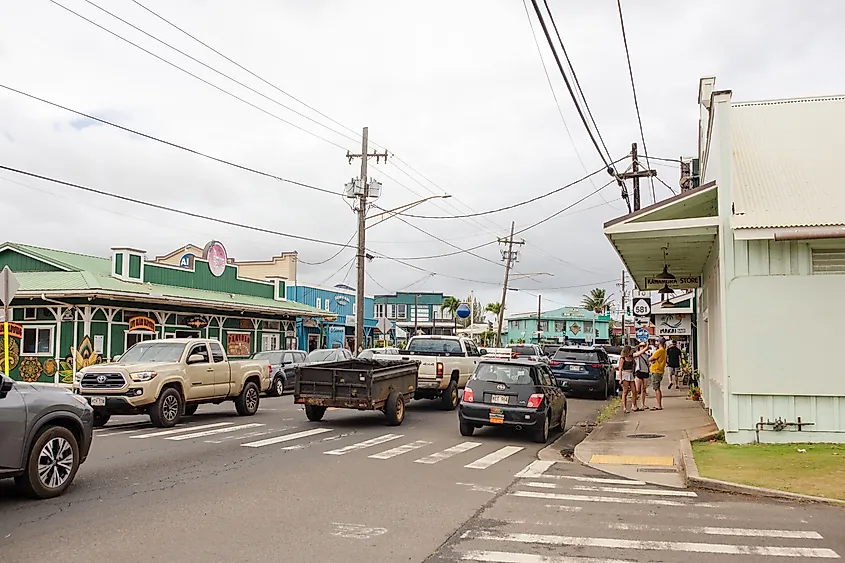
(694, 480)
(552, 452)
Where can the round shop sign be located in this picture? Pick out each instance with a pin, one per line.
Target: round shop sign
(215, 254)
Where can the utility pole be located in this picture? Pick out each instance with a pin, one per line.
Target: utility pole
(636, 174)
(539, 316)
(363, 194)
(509, 256)
(624, 336)
(416, 308)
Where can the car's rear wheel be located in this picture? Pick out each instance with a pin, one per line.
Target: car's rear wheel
(541, 434)
(278, 387)
(394, 409)
(466, 429)
(167, 410)
(314, 413)
(247, 402)
(100, 418)
(52, 464)
(563, 421)
(449, 399)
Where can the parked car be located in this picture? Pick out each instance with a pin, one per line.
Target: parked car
(281, 363)
(327, 355)
(517, 393)
(583, 369)
(45, 435)
(550, 349)
(167, 379)
(528, 351)
(374, 353)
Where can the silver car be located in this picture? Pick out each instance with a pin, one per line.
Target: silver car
(45, 435)
(328, 355)
(280, 362)
(374, 353)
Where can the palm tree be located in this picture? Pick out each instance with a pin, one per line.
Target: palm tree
(597, 300)
(451, 304)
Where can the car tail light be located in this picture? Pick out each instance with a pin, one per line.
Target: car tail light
(597, 366)
(535, 400)
(269, 370)
(469, 397)
(555, 363)
(439, 369)
(515, 355)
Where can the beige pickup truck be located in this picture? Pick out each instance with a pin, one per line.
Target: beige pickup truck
(171, 378)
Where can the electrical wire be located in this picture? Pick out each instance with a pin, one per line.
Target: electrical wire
(634, 91)
(671, 189)
(333, 256)
(349, 263)
(567, 286)
(555, 214)
(375, 282)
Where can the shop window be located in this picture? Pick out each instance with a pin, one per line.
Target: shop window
(560, 326)
(401, 311)
(319, 303)
(132, 338)
(30, 313)
(328, 304)
(378, 310)
(270, 342)
(37, 340)
(271, 325)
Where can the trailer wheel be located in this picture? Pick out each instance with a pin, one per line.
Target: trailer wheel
(394, 409)
(314, 413)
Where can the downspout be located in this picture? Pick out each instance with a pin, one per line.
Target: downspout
(58, 344)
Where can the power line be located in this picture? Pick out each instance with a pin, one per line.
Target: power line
(555, 214)
(566, 286)
(336, 272)
(333, 256)
(372, 279)
(671, 189)
(634, 91)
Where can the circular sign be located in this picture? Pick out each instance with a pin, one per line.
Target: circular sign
(642, 308)
(642, 334)
(463, 310)
(215, 254)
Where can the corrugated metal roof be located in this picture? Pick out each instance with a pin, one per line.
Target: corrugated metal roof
(72, 260)
(787, 155)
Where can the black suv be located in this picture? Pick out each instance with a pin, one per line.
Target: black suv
(45, 435)
(584, 369)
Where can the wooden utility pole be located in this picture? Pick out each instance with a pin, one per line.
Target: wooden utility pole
(509, 256)
(624, 336)
(636, 174)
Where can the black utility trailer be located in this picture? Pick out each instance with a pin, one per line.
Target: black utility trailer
(360, 384)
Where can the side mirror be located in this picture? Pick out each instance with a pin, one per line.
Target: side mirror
(6, 385)
(195, 359)
(483, 351)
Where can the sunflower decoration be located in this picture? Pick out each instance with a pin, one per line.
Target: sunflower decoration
(50, 367)
(30, 369)
(14, 355)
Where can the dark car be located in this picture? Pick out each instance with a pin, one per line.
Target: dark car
(281, 361)
(550, 349)
(517, 393)
(45, 435)
(583, 369)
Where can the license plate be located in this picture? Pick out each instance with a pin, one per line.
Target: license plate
(497, 418)
(575, 368)
(499, 399)
(98, 401)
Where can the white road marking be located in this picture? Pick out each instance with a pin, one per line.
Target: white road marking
(365, 444)
(540, 485)
(479, 488)
(295, 447)
(565, 508)
(588, 498)
(214, 431)
(651, 545)
(104, 434)
(357, 531)
(495, 457)
(448, 452)
(622, 490)
(183, 429)
(238, 437)
(535, 469)
(401, 450)
(601, 480)
(286, 438)
(506, 557)
(713, 531)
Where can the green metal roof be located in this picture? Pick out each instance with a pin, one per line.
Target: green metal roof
(71, 260)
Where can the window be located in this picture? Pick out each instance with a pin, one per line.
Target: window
(319, 303)
(828, 261)
(328, 304)
(419, 313)
(435, 346)
(543, 325)
(135, 266)
(401, 311)
(271, 325)
(270, 342)
(30, 313)
(199, 349)
(560, 326)
(274, 358)
(379, 310)
(545, 378)
(472, 349)
(149, 352)
(577, 355)
(588, 327)
(132, 338)
(37, 340)
(508, 374)
(217, 352)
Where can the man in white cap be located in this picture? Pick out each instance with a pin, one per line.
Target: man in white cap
(673, 363)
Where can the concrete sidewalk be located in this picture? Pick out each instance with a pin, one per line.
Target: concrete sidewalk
(645, 445)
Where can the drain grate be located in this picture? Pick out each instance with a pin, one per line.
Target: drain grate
(656, 470)
(645, 436)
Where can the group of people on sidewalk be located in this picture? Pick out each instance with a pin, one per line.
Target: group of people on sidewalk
(638, 366)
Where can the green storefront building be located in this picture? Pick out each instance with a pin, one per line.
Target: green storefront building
(74, 310)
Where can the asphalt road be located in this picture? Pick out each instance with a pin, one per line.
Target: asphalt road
(272, 487)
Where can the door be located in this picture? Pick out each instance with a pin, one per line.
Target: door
(12, 427)
(552, 392)
(222, 370)
(200, 375)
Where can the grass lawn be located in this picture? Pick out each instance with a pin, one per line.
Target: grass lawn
(818, 472)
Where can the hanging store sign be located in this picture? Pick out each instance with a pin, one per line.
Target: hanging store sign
(350, 320)
(215, 254)
(197, 321)
(342, 299)
(686, 282)
(142, 324)
(15, 330)
(246, 324)
(238, 343)
(677, 325)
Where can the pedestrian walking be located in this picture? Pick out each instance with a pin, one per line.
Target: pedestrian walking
(658, 367)
(673, 363)
(625, 369)
(641, 373)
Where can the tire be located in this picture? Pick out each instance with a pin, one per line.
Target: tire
(191, 409)
(394, 409)
(167, 410)
(55, 443)
(247, 402)
(277, 389)
(100, 418)
(562, 424)
(541, 435)
(449, 398)
(603, 394)
(466, 429)
(314, 413)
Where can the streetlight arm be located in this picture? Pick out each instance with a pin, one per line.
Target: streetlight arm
(388, 213)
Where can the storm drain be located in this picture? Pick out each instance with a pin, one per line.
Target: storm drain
(645, 436)
(656, 470)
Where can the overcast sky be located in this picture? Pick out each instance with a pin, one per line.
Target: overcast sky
(455, 89)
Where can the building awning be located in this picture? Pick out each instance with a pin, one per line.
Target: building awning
(686, 225)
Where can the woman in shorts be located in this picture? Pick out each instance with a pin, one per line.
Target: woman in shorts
(625, 369)
(641, 373)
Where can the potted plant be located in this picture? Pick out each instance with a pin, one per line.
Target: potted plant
(695, 393)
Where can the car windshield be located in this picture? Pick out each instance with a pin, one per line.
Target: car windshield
(434, 346)
(508, 374)
(272, 357)
(524, 350)
(144, 352)
(320, 356)
(577, 355)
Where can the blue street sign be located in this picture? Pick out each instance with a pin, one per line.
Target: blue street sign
(463, 310)
(642, 334)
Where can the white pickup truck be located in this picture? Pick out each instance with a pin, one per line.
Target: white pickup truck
(446, 364)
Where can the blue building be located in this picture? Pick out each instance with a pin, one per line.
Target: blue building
(338, 333)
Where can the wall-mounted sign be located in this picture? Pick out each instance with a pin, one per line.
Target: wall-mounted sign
(15, 330)
(679, 325)
(687, 282)
(142, 323)
(246, 324)
(238, 343)
(215, 254)
(98, 344)
(310, 323)
(187, 261)
(342, 299)
(196, 321)
(350, 320)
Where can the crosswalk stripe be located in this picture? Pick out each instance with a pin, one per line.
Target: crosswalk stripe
(223, 430)
(715, 531)
(448, 452)
(401, 450)
(589, 498)
(654, 545)
(495, 457)
(180, 430)
(285, 438)
(590, 479)
(535, 469)
(622, 490)
(507, 557)
(365, 444)
(118, 432)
